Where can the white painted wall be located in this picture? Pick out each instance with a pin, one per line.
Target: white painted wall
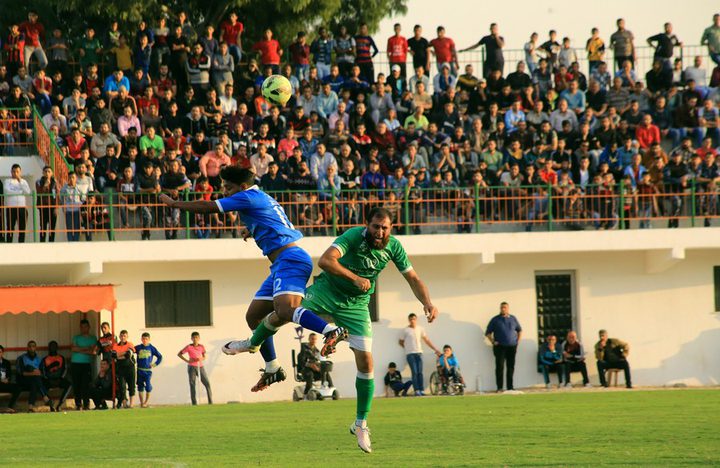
(651, 288)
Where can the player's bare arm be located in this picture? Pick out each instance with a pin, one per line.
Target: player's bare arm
(329, 263)
(196, 206)
(422, 294)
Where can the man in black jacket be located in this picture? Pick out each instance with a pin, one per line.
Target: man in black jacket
(5, 382)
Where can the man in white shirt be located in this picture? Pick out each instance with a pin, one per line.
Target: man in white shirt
(696, 73)
(411, 339)
(320, 161)
(260, 161)
(16, 189)
(228, 104)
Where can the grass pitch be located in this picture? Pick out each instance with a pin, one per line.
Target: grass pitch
(642, 428)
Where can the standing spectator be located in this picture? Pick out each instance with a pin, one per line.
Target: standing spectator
(145, 364)
(711, 37)
(270, 51)
(504, 333)
(300, 56)
(15, 50)
(494, 44)
(232, 30)
(550, 359)
(418, 47)
(72, 200)
(5, 381)
(196, 369)
(365, 50)
(16, 189)
(397, 49)
(567, 55)
(551, 47)
(198, 70)
(54, 373)
(532, 55)
(622, 44)
(663, 44)
(179, 49)
(344, 51)
(394, 381)
(322, 48)
(105, 342)
(410, 339)
(574, 356)
(34, 33)
(83, 352)
(595, 48)
(124, 370)
(445, 52)
(47, 192)
(611, 353)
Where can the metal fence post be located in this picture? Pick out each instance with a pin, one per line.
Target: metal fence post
(692, 203)
(622, 204)
(550, 207)
(477, 207)
(406, 211)
(35, 215)
(187, 218)
(111, 210)
(334, 212)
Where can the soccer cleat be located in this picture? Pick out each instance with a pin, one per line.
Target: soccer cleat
(269, 378)
(363, 437)
(241, 346)
(332, 338)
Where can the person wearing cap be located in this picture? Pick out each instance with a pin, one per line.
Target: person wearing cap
(394, 382)
(397, 50)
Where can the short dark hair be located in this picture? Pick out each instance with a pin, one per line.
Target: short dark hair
(413, 315)
(145, 335)
(379, 212)
(2, 348)
(237, 175)
(194, 334)
(15, 166)
(447, 346)
(104, 323)
(32, 342)
(84, 322)
(124, 331)
(392, 365)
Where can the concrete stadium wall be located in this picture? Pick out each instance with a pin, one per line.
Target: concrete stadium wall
(653, 289)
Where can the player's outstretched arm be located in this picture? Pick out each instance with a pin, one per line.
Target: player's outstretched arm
(422, 293)
(329, 263)
(197, 206)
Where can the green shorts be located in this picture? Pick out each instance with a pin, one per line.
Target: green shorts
(349, 312)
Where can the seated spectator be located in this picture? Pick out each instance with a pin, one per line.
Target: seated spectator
(561, 114)
(448, 368)
(6, 378)
(550, 359)
(312, 366)
(647, 133)
(54, 373)
(29, 376)
(611, 353)
(394, 381)
(574, 357)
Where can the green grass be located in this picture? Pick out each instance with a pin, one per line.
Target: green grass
(641, 428)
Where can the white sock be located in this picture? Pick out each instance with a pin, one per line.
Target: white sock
(272, 366)
(328, 328)
(361, 423)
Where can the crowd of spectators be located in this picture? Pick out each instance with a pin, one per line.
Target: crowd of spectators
(164, 107)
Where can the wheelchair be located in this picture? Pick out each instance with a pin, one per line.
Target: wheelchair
(440, 385)
(319, 390)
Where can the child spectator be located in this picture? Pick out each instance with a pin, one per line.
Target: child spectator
(196, 369)
(448, 365)
(145, 353)
(394, 382)
(124, 370)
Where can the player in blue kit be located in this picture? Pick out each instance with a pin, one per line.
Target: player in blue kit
(291, 267)
(145, 364)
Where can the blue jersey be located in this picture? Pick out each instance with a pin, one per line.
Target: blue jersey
(145, 356)
(452, 362)
(263, 216)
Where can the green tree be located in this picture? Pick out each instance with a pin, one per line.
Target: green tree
(284, 17)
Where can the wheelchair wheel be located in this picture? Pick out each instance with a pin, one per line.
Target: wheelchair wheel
(335, 395)
(312, 396)
(296, 397)
(434, 383)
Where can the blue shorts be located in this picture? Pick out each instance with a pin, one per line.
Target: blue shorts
(143, 381)
(289, 274)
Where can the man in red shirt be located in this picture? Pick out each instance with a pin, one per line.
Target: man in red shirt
(270, 52)
(647, 133)
(397, 49)
(34, 35)
(547, 174)
(300, 57)
(232, 30)
(445, 52)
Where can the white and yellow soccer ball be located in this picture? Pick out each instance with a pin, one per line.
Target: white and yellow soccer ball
(276, 89)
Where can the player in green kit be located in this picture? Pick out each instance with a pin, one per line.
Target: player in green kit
(350, 267)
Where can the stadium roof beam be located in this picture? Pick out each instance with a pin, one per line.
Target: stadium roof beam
(658, 261)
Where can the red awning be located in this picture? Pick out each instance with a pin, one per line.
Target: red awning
(45, 299)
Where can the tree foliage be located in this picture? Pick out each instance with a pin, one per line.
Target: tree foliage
(284, 17)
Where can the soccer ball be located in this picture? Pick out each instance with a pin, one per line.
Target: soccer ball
(276, 89)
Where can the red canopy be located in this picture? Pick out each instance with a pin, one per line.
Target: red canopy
(45, 299)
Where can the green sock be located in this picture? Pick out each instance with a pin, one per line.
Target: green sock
(365, 390)
(262, 333)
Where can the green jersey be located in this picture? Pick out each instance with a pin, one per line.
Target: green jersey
(366, 262)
